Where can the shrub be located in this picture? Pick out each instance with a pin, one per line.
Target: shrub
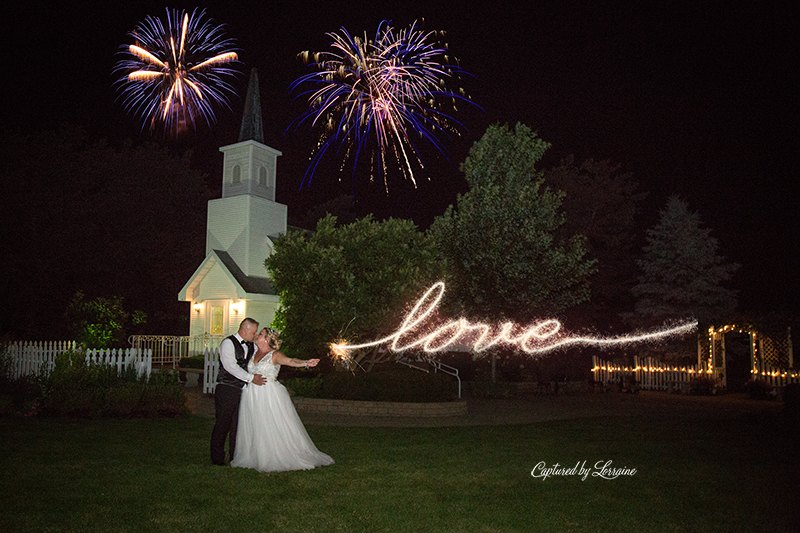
(77, 402)
(124, 400)
(24, 392)
(702, 386)
(77, 389)
(196, 361)
(759, 389)
(164, 395)
(6, 367)
(6, 380)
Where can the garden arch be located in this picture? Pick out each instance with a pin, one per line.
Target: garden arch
(734, 354)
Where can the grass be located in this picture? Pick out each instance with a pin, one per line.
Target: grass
(155, 475)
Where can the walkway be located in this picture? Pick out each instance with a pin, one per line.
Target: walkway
(532, 409)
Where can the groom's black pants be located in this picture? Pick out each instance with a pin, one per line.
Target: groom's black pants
(226, 404)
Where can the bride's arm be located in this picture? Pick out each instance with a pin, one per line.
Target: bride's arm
(280, 359)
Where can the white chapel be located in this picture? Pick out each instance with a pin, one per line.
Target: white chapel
(231, 283)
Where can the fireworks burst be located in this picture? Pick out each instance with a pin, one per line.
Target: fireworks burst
(390, 90)
(175, 73)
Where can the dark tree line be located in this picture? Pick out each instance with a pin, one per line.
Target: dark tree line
(129, 222)
(111, 221)
(602, 203)
(523, 244)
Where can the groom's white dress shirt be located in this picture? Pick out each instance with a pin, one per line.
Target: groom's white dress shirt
(227, 358)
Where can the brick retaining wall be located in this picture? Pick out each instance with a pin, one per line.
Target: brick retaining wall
(389, 409)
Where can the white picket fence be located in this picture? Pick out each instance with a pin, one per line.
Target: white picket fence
(651, 374)
(210, 370)
(35, 357)
(774, 376)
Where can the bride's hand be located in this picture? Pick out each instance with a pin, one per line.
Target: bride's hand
(311, 363)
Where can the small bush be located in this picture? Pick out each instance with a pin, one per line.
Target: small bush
(196, 361)
(164, 395)
(6, 367)
(759, 389)
(702, 386)
(77, 389)
(124, 400)
(24, 392)
(75, 402)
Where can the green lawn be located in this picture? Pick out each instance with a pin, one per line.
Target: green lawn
(154, 475)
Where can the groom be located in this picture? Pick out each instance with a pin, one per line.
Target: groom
(234, 354)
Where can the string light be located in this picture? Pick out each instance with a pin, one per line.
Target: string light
(759, 369)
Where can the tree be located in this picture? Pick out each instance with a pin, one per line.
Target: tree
(349, 281)
(504, 260)
(682, 273)
(80, 214)
(601, 203)
(100, 323)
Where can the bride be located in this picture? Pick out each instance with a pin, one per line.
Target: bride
(271, 437)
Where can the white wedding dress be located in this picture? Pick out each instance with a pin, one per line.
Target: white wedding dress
(271, 437)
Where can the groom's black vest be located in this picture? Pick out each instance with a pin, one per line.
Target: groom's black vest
(242, 358)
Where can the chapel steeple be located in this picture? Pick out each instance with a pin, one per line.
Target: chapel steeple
(250, 165)
(252, 129)
(232, 281)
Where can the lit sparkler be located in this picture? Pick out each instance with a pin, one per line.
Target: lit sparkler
(537, 338)
(341, 352)
(391, 89)
(175, 73)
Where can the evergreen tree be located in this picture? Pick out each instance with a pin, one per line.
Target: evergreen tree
(682, 272)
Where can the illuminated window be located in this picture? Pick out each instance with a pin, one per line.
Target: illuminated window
(217, 320)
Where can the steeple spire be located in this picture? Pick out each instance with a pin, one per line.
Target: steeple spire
(252, 129)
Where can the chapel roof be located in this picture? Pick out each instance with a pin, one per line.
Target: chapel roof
(251, 284)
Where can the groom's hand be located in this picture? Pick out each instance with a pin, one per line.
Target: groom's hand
(258, 379)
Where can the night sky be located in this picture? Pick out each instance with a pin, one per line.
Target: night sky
(694, 99)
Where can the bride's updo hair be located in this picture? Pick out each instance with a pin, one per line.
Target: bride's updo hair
(270, 334)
